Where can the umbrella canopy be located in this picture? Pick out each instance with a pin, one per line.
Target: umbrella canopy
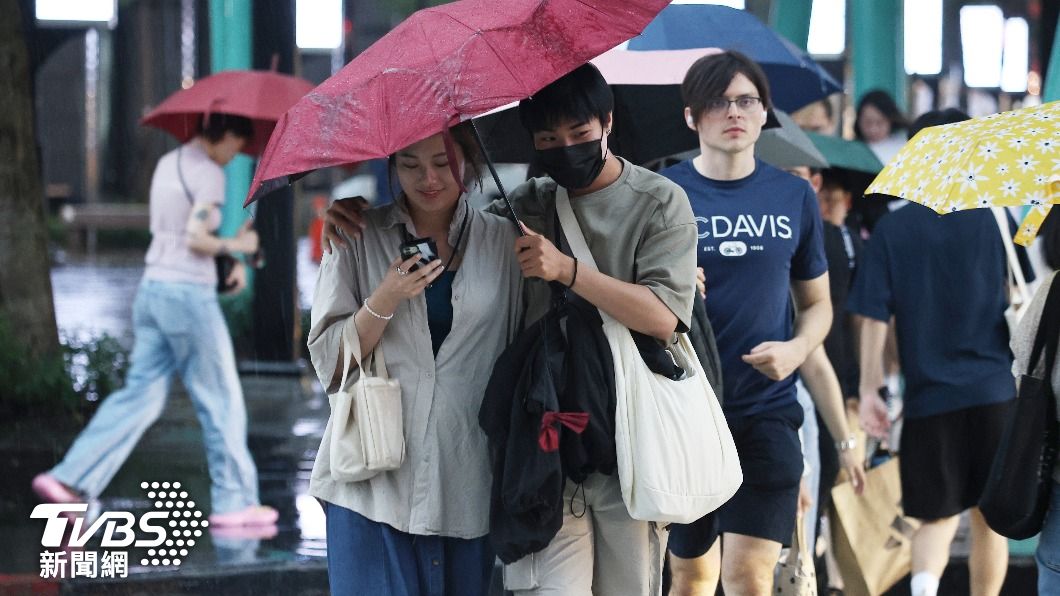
(649, 121)
(849, 155)
(795, 79)
(1001, 160)
(442, 65)
(261, 96)
(788, 146)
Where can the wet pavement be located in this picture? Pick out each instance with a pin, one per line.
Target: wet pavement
(286, 417)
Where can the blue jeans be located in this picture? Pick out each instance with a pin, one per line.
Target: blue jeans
(180, 329)
(811, 453)
(1048, 554)
(367, 558)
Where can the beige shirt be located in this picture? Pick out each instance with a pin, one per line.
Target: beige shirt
(1022, 345)
(640, 229)
(443, 487)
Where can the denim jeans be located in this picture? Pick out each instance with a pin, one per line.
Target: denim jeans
(179, 328)
(808, 434)
(1048, 554)
(367, 558)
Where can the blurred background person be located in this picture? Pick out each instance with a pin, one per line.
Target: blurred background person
(179, 329)
(880, 124)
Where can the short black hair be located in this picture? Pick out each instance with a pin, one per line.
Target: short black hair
(937, 118)
(882, 101)
(217, 124)
(579, 95)
(711, 75)
(836, 178)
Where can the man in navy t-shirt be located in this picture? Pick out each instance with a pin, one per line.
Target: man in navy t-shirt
(942, 278)
(760, 246)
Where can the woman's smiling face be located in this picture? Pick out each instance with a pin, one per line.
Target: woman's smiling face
(425, 176)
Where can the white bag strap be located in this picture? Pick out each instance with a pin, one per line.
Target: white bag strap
(571, 229)
(575, 237)
(1015, 271)
(351, 347)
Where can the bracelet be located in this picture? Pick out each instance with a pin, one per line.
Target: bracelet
(377, 315)
(574, 278)
(846, 444)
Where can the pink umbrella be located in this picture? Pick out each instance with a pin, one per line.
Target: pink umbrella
(438, 67)
(262, 96)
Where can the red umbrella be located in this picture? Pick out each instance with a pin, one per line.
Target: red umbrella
(262, 96)
(442, 65)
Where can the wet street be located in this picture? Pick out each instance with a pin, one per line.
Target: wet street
(286, 419)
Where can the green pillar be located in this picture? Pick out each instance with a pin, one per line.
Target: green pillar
(230, 49)
(876, 38)
(791, 18)
(1051, 89)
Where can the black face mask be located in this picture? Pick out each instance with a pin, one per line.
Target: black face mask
(573, 166)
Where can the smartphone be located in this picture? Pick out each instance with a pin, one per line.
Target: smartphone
(425, 247)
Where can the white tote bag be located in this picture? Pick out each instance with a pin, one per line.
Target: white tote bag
(367, 435)
(676, 458)
(1019, 296)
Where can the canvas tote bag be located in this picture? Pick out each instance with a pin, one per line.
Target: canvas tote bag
(676, 458)
(367, 434)
(795, 574)
(1017, 492)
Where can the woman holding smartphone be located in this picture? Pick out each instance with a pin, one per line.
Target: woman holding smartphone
(441, 324)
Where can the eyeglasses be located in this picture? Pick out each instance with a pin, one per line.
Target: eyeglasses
(716, 106)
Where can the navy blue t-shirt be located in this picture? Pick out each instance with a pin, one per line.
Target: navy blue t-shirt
(943, 279)
(756, 235)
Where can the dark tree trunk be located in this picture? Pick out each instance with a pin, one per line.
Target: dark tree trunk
(25, 285)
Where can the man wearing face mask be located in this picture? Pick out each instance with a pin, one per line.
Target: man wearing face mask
(642, 235)
(640, 230)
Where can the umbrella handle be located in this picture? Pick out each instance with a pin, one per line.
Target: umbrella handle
(496, 178)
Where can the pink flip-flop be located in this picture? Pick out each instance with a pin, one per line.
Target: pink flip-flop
(255, 515)
(51, 490)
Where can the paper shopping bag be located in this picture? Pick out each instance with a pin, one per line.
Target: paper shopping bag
(871, 534)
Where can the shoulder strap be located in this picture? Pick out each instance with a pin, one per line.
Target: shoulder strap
(1048, 335)
(575, 237)
(183, 184)
(571, 229)
(1015, 270)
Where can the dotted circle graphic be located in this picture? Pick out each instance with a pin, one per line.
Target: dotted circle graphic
(184, 521)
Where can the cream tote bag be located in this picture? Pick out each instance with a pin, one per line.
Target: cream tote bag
(367, 435)
(676, 458)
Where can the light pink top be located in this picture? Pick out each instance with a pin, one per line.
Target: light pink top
(169, 258)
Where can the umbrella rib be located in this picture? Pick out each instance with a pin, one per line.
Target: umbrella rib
(478, 33)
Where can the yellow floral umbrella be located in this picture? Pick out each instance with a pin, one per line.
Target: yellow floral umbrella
(1001, 160)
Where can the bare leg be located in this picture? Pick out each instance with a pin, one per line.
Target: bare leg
(698, 576)
(988, 561)
(747, 565)
(931, 546)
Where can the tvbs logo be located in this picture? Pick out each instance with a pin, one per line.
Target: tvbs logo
(174, 523)
(118, 526)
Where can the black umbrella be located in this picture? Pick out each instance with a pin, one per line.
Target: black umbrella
(649, 121)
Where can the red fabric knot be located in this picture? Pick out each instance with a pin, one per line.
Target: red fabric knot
(548, 438)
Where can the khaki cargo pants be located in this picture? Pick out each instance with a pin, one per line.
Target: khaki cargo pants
(599, 551)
